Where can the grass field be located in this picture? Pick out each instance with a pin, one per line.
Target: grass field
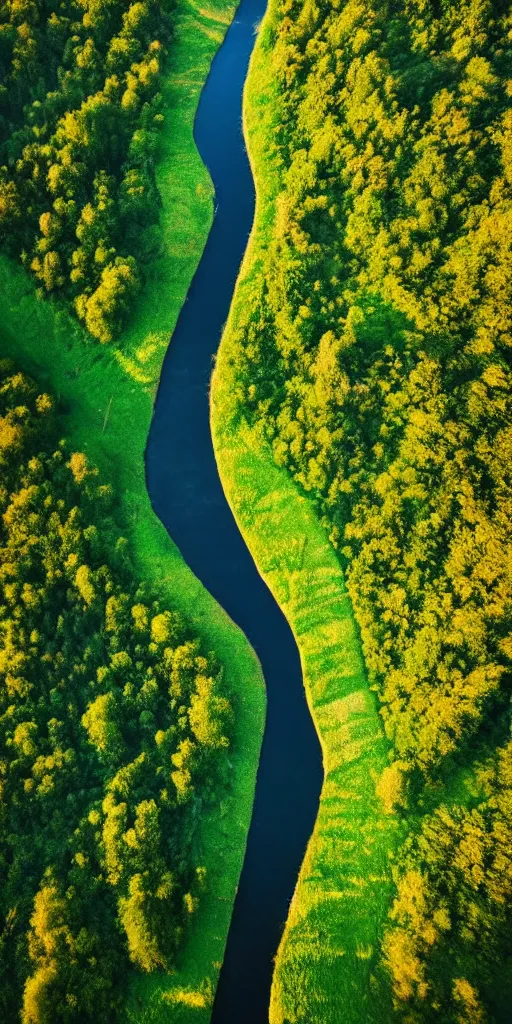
(326, 962)
(108, 398)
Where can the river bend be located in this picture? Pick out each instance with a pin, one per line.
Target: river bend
(187, 495)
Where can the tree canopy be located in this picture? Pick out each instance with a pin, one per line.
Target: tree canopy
(80, 111)
(115, 731)
(373, 354)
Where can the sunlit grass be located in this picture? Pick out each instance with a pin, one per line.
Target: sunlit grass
(327, 959)
(108, 400)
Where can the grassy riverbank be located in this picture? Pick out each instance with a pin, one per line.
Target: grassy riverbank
(328, 954)
(107, 398)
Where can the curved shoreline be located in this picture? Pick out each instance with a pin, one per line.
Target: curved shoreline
(187, 495)
(335, 952)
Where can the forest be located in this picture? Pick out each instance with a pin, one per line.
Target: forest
(373, 354)
(372, 358)
(80, 112)
(115, 733)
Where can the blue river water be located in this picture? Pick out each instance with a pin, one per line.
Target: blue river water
(187, 495)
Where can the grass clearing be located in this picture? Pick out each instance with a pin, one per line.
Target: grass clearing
(107, 398)
(325, 965)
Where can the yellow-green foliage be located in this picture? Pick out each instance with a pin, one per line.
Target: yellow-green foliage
(370, 350)
(448, 939)
(80, 109)
(96, 836)
(376, 347)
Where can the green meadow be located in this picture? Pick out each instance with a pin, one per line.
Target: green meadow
(107, 399)
(330, 946)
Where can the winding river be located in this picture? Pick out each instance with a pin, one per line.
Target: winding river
(187, 495)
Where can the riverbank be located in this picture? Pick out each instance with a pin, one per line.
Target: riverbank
(107, 398)
(329, 950)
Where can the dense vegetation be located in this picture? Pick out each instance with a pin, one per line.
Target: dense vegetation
(454, 907)
(105, 394)
(373, 354)
(114, 725)
(80, 110)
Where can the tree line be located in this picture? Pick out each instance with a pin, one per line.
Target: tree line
(80, 112)
(373, 354)
(115, 731)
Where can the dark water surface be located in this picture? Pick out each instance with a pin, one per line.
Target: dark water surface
(187, 495)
